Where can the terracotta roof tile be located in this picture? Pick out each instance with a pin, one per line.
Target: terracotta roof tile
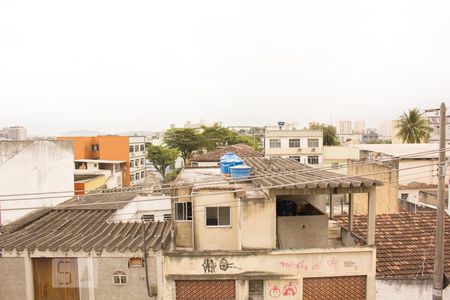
(241, 150)
(404, 243)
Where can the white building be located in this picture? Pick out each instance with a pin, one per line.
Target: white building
(344, 127)
(14, 133)
(137, 159)
(31, 170)
(433, 116)
(385, 130)
(303, 145)
(359, 126)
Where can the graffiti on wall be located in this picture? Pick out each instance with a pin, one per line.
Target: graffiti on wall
(282, 291)
(209, 265)
(318, 265)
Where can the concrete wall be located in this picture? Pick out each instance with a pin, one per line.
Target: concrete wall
(12, 278)
(292, 265)
(407, 290)
(299, 232)
(260, 235)
(34, 167)
(136, 287)
(386, 195)
(183, 229)
(215, 238)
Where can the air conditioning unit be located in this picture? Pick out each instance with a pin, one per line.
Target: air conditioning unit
(313, 150)
(299, 149)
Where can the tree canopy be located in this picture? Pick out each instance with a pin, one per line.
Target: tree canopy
(413, 127)
(215, 136)
(161, 157)
(187, 140)
(329, 133)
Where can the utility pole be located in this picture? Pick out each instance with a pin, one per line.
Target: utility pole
(438, 278)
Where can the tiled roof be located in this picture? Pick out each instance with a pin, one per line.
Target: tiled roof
(286, 171)
(106, 200)
(241, 150)
(84, 229)
(405, 244)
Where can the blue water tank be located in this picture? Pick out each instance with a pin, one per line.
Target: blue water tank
(241, 171)
(229, 160)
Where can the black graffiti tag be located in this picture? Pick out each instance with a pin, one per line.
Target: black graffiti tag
(225, 265)
(209, 266)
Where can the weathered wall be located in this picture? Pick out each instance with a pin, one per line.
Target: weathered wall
(136, 287)
(34, 167)
(407, 290)
(183, 229)
(215, 238)
(260, 235)
(12, 278)
(386, 195)
(303, 232)
(291, 265)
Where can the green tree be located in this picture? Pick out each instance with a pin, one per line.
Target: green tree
(216, 135)
(252, 141)
(413, 127)
(161, 157)
(187, 140)
(329, 133)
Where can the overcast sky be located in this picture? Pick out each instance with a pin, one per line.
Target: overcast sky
(126, 65)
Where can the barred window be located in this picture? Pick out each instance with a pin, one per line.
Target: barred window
(294, 143)
(275, 143)
(313, 143)
(119, 278)
(255, 287)
(313, 160)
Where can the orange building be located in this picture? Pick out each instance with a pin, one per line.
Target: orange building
(114, 148)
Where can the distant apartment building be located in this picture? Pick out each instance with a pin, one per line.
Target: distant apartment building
(369, 136)
(359, 126)
(302, 145)
(201, 123)
(13, 133)
(385, 130)
(433, 116)
(112, 153)
(34, 174)
(344, 127)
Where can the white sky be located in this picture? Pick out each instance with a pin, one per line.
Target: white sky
(125, 65)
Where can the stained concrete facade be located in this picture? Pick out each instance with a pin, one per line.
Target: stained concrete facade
(29, 167)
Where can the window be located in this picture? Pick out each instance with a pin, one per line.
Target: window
(136, 148)
(167, 217)
(119, 278)
(256, 288)
(132, 177)
(135, 262)
(142, 148)
(142, 174)
(142, 161)
(404, 196)
(275, 143)
(131, 149)
(313, 143)
(295, 157)
(313, 160)
(136, 163)
(137, 176)
(148, 218)
(95, 148)
(183, 211)
(218, 216)
(294, 143)
(131, 163)
(335, 165)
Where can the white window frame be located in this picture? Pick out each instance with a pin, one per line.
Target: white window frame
(294, 157)
(185, 212)
(293, 143)
(274, 143)
(310, 141)
(217, 226)
(120, 275)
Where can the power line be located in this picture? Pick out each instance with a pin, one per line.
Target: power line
(221, 193)
(199, 183)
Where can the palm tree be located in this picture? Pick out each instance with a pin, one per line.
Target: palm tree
(414, 128)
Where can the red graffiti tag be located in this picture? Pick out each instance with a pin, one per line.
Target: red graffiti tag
(290, 289)
(275, 291)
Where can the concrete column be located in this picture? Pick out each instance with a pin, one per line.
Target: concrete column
(28, 275)
(371, 215)
(241, 289)
(92, 280)
(350, 212)
(331, 207)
